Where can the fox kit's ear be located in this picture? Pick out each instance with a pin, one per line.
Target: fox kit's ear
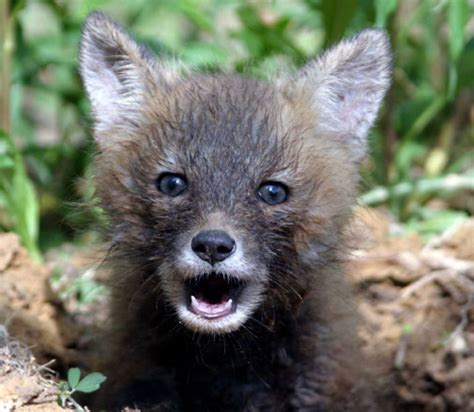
(117, 72)
(346, 85)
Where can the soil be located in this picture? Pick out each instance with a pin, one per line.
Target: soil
(33, 332)
(416, 300)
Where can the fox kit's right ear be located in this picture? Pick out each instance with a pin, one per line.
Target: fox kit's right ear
(118, 73)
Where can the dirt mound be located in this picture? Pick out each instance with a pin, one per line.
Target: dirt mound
(28, 308)
(28, 315)
(417, 303)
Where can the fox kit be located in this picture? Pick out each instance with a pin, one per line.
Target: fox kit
(227, 199)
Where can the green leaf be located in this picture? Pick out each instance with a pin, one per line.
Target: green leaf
(73, 376)
(19, 197)
(434, 222)
(198, 54)
(6, 162)
(191, 10)
(337, 14)
(17, 6)
(91, 382)
(86, 6)
(87, 290)
(465, 66)
(383, 9)
(457, 19)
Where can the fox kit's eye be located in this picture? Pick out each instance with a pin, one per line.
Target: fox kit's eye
(273, 193)
(171, 184)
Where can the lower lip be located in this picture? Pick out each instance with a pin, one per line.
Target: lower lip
(210, 311)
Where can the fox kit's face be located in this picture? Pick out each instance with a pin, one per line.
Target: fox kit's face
(227, 190)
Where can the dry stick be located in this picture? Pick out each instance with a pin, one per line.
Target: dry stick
(433, 276)
(401, 351)
(463, 322)
(437, 259)
(446, 267)
(420, 283)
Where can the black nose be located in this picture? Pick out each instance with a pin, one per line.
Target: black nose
(213, 245)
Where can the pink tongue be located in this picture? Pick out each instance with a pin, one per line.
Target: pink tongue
(210, 310)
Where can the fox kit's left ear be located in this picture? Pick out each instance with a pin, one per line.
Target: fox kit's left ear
(346, 85)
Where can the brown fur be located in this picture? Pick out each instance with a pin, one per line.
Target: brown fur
(298, 350)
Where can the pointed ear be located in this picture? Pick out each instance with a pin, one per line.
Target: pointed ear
(346, 85)
(117, 72)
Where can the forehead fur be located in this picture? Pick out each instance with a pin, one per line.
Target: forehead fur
(226, 119)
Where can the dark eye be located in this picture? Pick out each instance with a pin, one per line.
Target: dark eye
(273, 193)
(171, 184)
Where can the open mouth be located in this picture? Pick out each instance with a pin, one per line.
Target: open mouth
(213, 295)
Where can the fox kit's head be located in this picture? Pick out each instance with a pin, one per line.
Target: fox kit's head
(225, 190)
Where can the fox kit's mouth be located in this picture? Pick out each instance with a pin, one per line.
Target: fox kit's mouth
(216, 302)
(213, 295)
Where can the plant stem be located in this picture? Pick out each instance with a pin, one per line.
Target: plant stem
(443, 185)
(78, 407)
(6, 49)
(425, 118)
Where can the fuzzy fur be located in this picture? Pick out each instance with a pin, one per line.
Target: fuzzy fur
(294, 345)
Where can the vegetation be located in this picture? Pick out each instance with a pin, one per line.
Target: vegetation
(88, 384)
(422, 161)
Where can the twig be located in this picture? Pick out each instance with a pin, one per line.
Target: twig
(401, 351)
(440, 240)
(437, 259)
(458, 332)
(433, 276)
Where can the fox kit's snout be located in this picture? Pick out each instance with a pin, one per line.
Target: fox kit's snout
(227, 198)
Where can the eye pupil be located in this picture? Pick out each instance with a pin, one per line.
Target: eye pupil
(273, 193)
(171, 184)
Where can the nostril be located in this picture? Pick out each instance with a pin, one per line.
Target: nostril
(213, 245)
(223, 249)
(199, 248)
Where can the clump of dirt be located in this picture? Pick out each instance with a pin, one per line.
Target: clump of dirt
(417, 304)
(29, 310)
(25, 386)
(28, 315)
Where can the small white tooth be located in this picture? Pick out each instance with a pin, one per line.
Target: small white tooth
(193, 300)
(228, 304)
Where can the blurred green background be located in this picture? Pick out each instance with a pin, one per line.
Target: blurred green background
(421, 167)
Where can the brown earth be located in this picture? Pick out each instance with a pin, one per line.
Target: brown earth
(416, 302)
(29, 314)
(417, 307)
